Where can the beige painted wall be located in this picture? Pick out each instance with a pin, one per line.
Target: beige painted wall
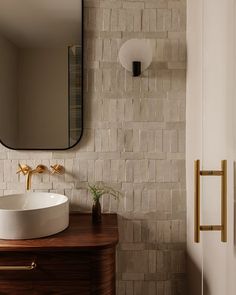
(8, 91)
(134, 139)
(43, 98)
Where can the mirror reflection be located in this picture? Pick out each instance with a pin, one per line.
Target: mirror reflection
(40, 73)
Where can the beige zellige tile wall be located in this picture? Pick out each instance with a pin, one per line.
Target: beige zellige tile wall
(134, 139)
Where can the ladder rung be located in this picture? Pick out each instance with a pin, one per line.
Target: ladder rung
(211, 173)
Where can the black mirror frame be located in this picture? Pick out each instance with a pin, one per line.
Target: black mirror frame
(82, 98)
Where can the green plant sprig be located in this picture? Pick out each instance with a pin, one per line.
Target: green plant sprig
(98, 190)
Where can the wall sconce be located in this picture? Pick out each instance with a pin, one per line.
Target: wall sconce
(135, 55)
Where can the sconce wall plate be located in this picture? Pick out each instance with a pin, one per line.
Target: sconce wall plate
(133, 51)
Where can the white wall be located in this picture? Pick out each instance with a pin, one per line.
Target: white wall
(210, 138)
(193, 137)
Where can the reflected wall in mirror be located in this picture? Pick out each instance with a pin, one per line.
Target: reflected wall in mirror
(40, 73)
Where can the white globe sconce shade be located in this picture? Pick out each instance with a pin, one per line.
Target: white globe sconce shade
(135, 55)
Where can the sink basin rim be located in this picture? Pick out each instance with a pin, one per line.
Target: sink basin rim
(40, 195)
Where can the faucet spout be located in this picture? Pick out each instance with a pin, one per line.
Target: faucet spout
(38, 169)
(28, 180)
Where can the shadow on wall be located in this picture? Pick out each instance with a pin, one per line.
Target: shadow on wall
(196, 282)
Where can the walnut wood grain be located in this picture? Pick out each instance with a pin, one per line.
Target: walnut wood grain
(88, 269)
(81, 234)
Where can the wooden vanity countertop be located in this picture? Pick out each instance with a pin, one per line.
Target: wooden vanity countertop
(80, 235)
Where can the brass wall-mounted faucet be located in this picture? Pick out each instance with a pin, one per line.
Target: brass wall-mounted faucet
(26, 170)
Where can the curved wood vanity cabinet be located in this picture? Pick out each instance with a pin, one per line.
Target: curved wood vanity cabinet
(79, 260)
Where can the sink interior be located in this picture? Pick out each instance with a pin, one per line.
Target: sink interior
(31, 201)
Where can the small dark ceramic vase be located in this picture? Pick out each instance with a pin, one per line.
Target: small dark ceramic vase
(96, 212)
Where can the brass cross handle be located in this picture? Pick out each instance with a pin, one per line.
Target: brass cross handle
(23, 169)
(57, 169)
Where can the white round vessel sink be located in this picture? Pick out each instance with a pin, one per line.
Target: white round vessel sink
(33, 215)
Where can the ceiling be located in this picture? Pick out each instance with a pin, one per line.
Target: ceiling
(41, 23)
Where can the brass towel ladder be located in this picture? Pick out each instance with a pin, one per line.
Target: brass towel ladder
(223, 227)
